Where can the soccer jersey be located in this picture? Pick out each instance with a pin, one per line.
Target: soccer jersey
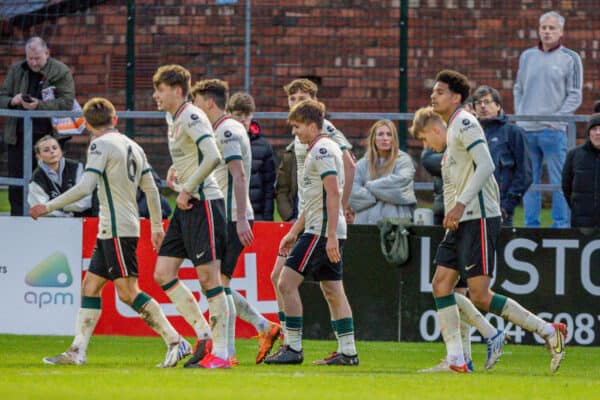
(324, 158)
(301, 149)
(189, 136)
(120, 163)
(465, 145)
(233, 142)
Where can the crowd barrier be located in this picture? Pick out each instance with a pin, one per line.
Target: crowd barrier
(553, 272)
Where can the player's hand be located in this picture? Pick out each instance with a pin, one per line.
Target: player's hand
(38, 210)
(333, 249)
(183, 200)
(244, 231)
(172, 178)
(452, 218)
(286, 244)
(157, 238)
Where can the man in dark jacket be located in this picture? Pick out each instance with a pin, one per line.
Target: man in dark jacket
(262, 178)
(37, 83)
(508, 147)
(286, 186)
(581, 178)
(432, 162)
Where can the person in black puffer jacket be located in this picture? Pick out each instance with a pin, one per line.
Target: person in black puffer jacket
(262, 177)
(581, 179)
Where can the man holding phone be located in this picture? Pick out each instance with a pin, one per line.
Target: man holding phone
(28, 86)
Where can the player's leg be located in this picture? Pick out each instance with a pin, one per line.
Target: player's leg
(210, 280)
(151, 313)
(343, 323)
(485, 299)
(277, 268)
(443, 284)
(87, 318)
(291, 351)
(465, 327)
(170, 256)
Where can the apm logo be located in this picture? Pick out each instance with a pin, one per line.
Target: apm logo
(53, 272)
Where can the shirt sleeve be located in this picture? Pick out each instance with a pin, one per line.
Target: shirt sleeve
(197, 127)
(232, 148)
(97, 156)
(324, 161)
(337, 136)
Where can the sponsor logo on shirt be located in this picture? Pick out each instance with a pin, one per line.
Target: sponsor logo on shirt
(94, 150)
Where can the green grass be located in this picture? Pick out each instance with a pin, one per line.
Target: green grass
(123, 368)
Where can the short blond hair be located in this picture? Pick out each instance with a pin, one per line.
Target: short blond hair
(307, 112)
(423, 117)
(173, 75)
(99, 112)
(301, 85)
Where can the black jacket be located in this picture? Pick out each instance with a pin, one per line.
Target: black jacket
(262, 177)
(432, 162)
(581, 185)
(508, 147)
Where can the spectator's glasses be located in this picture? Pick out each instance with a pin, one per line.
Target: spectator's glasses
(484, 102)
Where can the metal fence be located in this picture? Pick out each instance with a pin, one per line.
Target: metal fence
(156, 149)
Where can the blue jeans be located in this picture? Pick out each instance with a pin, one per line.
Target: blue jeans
(549, 146)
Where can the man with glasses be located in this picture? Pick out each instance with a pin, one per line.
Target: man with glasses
(508, 147)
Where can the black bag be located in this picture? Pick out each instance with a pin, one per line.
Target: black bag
(394, 240)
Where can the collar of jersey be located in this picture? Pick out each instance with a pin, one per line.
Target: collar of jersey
(180, 109)
(220, 120)
(454, 114)
(315, 140)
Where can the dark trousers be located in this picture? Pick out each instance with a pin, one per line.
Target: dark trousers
(15, 170)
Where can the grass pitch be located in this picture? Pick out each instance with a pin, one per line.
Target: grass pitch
(124, 368)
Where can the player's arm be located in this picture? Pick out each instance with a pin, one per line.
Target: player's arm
(349, 171)
(85, 202)
(210, 159)
(240, 189)
(484, 168)
(332, 202)
(86, 186)
(574, 88)
(37, 195)
(285, 246)
(148, 186)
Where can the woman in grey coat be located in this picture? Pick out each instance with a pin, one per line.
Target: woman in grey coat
(384, 180)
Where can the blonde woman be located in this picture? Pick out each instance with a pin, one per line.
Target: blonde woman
(384, 180)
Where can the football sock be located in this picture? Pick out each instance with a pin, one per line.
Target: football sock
(219, 320)
(293, 336)
(337, 337)
(231, 323)
(471, 315)
(345, 332)
(518, 315)
(281, 316)
(188, 307)
(449, 318)
(465, 336)
(87, 318)
(153, 316)
(248, 313)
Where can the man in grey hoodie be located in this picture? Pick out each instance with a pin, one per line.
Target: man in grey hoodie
(549, 82)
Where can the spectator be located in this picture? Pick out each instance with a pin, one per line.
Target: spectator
(508, 148)
(25, 87)
(143, 204)
(432, 162)
(384, 179)
(581, 178)
(262, 178)
(55, 175)
(286, 186)
(549, 82)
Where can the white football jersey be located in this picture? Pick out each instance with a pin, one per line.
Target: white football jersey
(324, 158)
(188, 128)
(234, 144)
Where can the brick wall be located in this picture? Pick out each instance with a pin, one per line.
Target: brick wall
(352, 46)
